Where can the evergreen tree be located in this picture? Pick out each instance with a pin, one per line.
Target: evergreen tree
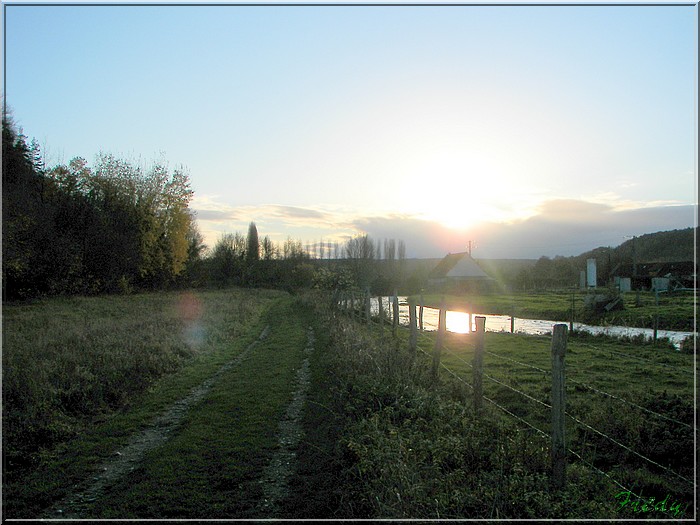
(253, 243)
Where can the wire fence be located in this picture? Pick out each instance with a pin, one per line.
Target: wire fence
(502, 384)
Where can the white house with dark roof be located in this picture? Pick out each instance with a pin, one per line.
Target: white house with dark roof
(461, 271)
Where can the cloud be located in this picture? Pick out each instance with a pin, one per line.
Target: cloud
(558, 227)
(297, 212)
(215, 215)
(555, 227)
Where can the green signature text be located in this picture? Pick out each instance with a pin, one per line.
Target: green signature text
(639, 504)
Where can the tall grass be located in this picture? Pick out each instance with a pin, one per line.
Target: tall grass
(413, 448)
(70, 361)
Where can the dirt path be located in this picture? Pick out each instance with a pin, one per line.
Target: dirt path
(276, 476)
(127, 459)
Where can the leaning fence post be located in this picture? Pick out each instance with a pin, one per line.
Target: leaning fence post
(479, 362)
(368, 307)
(559, 335)
(395, 325)
(439, 340)
(413, 338)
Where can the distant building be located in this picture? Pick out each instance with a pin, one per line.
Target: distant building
(659, 276)
(459, 272)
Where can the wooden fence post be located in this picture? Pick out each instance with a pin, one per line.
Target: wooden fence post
(420, 313)
(656, 316)
(413, 338)
(512, 323)
(559, 336)
(380, 305)
(439, 340)
(479, 363)
(368, 306)
(573, 311)
(395, 325)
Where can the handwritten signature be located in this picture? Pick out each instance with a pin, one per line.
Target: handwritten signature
(650, 504)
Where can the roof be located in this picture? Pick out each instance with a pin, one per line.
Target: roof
(658, 269)
(458, 266)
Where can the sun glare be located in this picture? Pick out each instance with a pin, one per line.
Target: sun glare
(454, 189)
(457, 322)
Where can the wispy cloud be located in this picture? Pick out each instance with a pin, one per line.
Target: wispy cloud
(215, 215)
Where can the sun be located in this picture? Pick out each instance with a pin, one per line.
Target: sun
(452, 189)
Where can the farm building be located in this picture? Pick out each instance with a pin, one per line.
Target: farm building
(659, 276)
(459, 272)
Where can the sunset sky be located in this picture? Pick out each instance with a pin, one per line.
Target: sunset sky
(529, 130)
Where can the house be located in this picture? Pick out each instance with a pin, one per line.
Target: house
(459, 272)
(659, 276)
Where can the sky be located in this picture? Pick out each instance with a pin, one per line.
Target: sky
(528, 130)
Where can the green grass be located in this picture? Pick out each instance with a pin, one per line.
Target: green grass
(80, 375)
(416, 449)
(383, 440)
(675, 309)
(659, 380)
(210, 468)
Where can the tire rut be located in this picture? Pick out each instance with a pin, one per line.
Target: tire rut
(276, 476)
(124, 461)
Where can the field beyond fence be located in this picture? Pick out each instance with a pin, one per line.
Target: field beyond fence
(623, 411)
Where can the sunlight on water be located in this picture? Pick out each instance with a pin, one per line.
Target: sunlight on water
(457, 322)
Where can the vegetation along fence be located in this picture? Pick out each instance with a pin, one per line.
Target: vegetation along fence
(358, 307)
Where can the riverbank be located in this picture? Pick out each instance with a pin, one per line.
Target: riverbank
(675, 310)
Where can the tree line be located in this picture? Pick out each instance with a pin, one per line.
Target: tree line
(80, 229)
(358, 263)
(118, 226)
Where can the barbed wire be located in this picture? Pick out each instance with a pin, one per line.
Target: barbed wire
(518, 362)
(542, 433)
(456, 376)
(568, 380)
(678, 369)
(642, 456)
(601, 392)
(516, 390)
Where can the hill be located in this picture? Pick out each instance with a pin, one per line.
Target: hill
(659, 247)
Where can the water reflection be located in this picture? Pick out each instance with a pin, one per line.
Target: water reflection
(462, 323)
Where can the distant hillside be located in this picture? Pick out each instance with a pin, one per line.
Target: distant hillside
(546, 273)
(668, 246)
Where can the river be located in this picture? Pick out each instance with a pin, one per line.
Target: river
(459, 322)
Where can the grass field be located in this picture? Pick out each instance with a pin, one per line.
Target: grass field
(405, 431)
(676, 310)
(382, 439)
(639, 396)
(81, 374)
